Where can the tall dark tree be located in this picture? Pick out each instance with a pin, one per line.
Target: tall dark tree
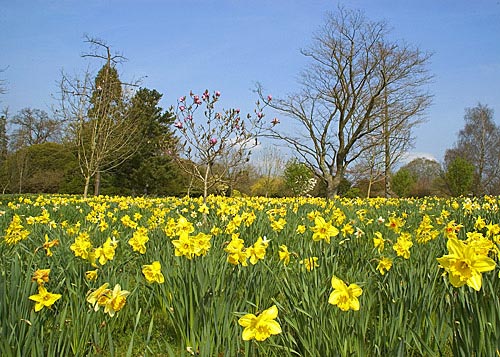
(479, 144)
(355, 73)
(150, 169)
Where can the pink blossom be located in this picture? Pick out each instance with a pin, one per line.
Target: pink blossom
(182, 99)
(260, 115)
(213, 141)
(189, 117)
(196, 100)
(275, 121)
(181, 108)
(237, 110)
(217, 93)
(269, 97)
(178, 124)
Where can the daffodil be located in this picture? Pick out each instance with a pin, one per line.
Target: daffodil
(278, 225)
(116, 301)
(107, 251)
(41, 276)
(201, 243)
(236, 251)
(153, 272)
(347, 230)
(378, 241)
(284, 254)
(323, 230)
(310, 263)
(300, 229)
(49, 244)
(262, 326)
(403, 245)
(82, 245)
(464, 265)
(384, 265)
(99, 296)
(184, 246)
(345, 296)
(91, 275)
(44, 298)
(395, 223)
(257, 251)
(139, 240)
(15, 232)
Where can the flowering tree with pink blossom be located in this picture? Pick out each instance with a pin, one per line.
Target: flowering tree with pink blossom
(216, 139)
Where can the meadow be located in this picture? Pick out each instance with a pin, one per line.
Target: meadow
(247, 276)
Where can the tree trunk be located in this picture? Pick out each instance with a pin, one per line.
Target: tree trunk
(387, 149)
(86, 189)
(332, 185)
(370, 179)
(205, 184)
(97, 183)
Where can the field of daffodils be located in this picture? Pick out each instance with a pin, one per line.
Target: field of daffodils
(246, 276)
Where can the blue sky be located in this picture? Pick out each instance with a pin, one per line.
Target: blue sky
(176, 46)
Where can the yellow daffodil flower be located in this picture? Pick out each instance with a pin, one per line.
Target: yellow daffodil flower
(44, 298)
(49, 244)
(384, 265)
(91, 275)
(262, 326)
(310, 263)
(323, 230)
(464, 265)
(344, 296)
(284, 254)
(41, 276)
(153, 273)
(116, 301)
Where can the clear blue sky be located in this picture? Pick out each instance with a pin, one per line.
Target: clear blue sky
(176, 46)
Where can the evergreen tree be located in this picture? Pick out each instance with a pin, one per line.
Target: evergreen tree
(150, 169)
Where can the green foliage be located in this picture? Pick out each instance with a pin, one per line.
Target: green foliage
(298, 177)
(150, 170)
(40, 168)
(402, 182)
(459, 177)
(106, 98)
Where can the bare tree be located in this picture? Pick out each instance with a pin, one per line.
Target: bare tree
(104, 132)
(270, 165)
(33, 126)
(369, 167)
(479, 143)
(354, 71)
